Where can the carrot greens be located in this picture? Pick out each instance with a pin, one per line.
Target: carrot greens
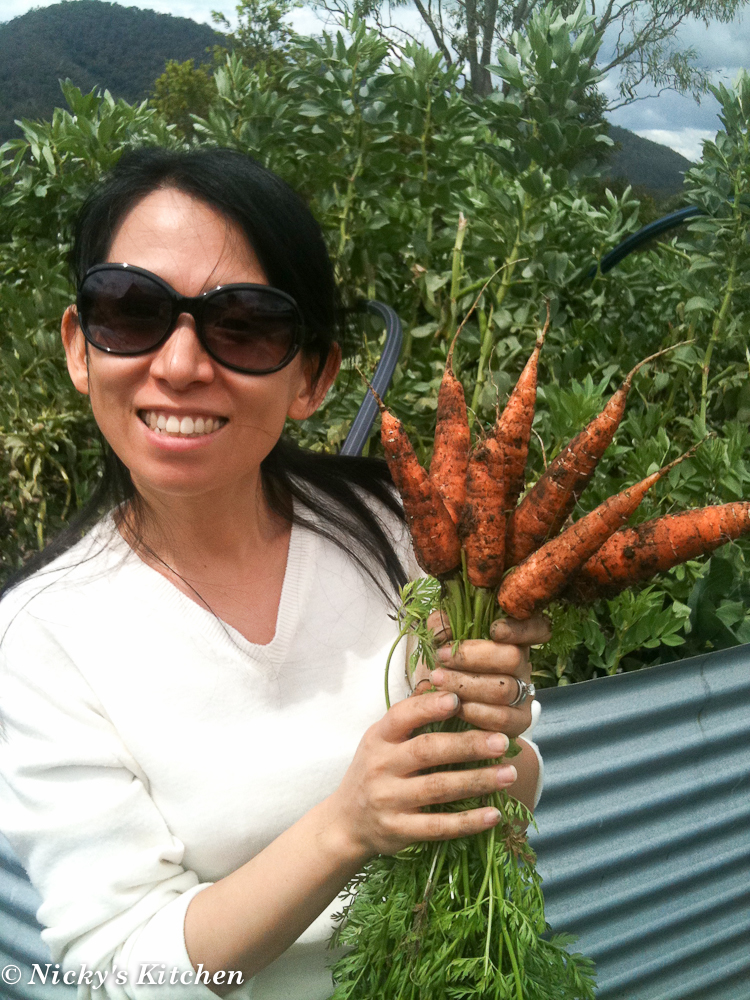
(460, 918)
(465, 918)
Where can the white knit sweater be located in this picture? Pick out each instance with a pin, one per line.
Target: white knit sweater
(149, 750)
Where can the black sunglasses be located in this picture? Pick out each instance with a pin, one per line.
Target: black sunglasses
(253, 329)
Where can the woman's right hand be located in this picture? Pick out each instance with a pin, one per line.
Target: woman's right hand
(380, 799)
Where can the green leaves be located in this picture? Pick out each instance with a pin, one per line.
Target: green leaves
(389, 151)
(458, 918)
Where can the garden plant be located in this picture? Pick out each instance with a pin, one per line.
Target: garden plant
(390, 151)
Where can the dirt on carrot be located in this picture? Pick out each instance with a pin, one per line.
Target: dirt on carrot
(638, 553)
(547, 506)
(450, 455)
(482, 527)
(512, 429)
(544, 574)
(435, 536)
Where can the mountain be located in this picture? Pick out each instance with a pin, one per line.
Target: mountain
(646, 165)
(95, 44)
(101, 44)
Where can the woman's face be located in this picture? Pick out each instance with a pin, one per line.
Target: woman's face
(194, 248)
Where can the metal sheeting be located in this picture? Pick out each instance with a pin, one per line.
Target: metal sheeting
(644, 834)
(644, 827)
(20, 943)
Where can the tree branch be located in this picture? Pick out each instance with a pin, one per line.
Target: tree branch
(437, 36)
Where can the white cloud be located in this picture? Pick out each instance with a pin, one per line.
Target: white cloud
(688, 142)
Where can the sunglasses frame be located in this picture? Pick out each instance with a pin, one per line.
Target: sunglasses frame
(194, 306)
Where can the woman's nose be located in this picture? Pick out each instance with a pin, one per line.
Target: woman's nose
(182, 360)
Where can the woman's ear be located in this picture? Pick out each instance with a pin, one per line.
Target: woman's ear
(316, 387)
(75, 350)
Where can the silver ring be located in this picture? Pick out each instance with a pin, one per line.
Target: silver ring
(524, 691)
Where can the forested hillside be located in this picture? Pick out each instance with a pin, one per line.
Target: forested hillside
(95, 44)
(124, 49)
(646, 164)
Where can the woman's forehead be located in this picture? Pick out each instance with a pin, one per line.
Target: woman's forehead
(171, 232)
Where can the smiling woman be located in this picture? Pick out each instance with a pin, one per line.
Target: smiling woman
(195, 758)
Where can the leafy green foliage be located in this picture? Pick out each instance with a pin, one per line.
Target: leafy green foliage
(182, 90)
(457, 918)
(262, 35)
(390, 154)
(643, 36)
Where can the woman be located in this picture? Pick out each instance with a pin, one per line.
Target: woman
(196, 759)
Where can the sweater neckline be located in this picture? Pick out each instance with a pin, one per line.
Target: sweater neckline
(160, 592)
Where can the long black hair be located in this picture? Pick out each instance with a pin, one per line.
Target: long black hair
(331, 494)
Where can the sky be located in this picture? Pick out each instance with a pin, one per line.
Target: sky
(670, 119)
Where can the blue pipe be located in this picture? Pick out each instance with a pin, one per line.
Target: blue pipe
(649, 232)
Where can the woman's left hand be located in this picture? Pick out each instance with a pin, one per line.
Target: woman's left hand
(484, 672)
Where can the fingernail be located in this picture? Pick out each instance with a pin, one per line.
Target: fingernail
(498, 742)
(491, 817)
(437, 676)
(506, 775)
(449, 701)
(444, 654)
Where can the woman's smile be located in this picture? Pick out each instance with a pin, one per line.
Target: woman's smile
(176, 425)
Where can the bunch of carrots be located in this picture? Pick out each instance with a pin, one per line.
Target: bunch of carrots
(467, 507)
(466, 918)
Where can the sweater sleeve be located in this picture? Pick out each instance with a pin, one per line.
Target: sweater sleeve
(536, 711)
(76, 809)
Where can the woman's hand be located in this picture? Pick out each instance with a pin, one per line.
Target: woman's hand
(483, 672)
(379, 800)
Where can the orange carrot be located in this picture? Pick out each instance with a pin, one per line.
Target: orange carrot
(435, 536)
(547, 506)
(545, 573)
(450, 455)
(634, 554)
(482, 527)
(513, 427)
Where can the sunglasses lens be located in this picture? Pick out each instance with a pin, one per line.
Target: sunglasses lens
(124, 312)
(250, 329)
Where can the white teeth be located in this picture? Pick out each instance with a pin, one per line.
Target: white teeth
(183, 426)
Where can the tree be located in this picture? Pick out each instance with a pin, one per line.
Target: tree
(262, 33)
(640, 35)
(183, 89)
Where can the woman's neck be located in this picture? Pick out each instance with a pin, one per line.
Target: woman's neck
(228, 555)
(209, 535)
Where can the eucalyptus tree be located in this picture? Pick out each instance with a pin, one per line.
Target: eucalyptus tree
(641, 36)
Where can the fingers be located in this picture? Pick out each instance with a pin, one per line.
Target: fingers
(449, 826)
(485, 657)
(493, 718)
(532, 632)
(493, 689)
(396, 775)
(452, 786)
(438, 749)
(404, 717)
(485, 699)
